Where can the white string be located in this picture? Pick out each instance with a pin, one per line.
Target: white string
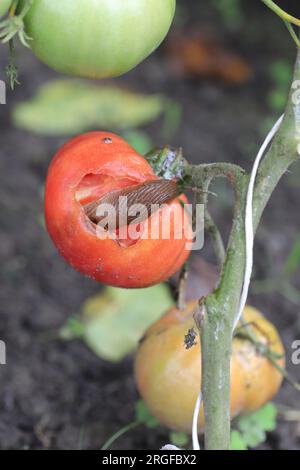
(249, 244)
(249, 231)
(196, 445)
(170, 447)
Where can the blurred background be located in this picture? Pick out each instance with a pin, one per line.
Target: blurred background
(214, 87)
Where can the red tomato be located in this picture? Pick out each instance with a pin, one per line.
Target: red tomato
(84, 169)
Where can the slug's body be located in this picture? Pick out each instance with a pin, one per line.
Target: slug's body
(132, 204)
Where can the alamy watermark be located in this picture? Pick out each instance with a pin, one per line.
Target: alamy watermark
(296, 354)
(2, 92)
(2, 353)
(123, 223)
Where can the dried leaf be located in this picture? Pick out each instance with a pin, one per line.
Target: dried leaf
(199, 55)
(202, 278)
(113, 322)
(66, 107)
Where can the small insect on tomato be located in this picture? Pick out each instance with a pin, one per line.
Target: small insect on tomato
(96, 169)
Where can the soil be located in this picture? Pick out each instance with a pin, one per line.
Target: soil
(59, 395)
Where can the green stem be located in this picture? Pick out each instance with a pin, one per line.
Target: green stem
(292, 33)
(201, 175)
(281, 13)
(181, 300)
(215, 331)
(216, 334)
(264, 349)
(119, 433)
(216, 237)
(221, 306)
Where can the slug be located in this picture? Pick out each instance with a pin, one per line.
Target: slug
(156, 192)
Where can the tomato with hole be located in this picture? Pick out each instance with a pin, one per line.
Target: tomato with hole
(168, 374)
(87, 168)
(97, 38)
(4, 7)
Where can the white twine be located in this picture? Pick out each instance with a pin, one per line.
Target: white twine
(196, 445)
(249, 245)
(249, 231)
(170, 447)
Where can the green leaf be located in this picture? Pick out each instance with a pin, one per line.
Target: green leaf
(173, 117)
(293, 259)
(254, 436)
(113, 322)
(280, 71)
(277, 99)
(72, 329)
(139, 140)
(179, 439)
(231, 13)
(65, 107)
(252, 428)
(266, 417)
(237, 441)
(144, 416)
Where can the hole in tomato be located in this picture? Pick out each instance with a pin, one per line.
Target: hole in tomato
(94, 186)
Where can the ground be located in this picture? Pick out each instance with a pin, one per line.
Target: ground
(60, 395)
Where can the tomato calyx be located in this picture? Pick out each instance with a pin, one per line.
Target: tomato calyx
(167, 162)
(14, 25)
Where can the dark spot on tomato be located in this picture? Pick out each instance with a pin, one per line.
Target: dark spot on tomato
(107, 140)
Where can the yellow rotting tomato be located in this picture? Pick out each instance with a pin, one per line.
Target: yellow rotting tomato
(168, 374)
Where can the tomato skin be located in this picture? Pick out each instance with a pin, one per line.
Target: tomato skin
(108, 157)
(4, 7)
(168, 375)
(97, 38)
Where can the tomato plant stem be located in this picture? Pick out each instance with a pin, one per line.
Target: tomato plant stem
(181, 299)
(120, 433)
(216, 353)
(281, 13)
(292, 33)
(216, 237)
(219, 308)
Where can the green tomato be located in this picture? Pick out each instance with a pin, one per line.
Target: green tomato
(4, 6)
(97, 38)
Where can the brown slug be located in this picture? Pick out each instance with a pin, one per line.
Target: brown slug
(149, 193)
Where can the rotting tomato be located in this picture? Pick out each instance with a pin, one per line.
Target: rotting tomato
(97, 38)
(168, 374)
(86, 168)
